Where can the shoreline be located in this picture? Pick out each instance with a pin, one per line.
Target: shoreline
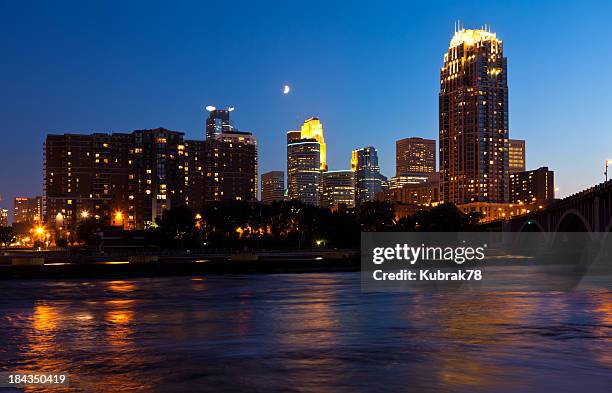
(165, 266)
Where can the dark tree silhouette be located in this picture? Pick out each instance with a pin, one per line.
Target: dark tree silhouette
(7, 236)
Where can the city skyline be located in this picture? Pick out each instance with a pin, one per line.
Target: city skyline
(535, 115)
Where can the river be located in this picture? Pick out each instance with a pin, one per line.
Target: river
(302, 333)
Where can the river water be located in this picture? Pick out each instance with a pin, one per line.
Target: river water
(302, 333)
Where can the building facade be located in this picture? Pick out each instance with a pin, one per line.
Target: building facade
(338, 189)
(231, 169)
(368, 180)
(516, 156)
(272, 187)
(306, 161)
(27, 210)
(157, 179)
(415, 156)
(473, 119)
(85, 175)
(532, 187)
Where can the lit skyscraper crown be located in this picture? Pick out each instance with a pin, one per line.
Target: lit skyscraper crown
(471, 37)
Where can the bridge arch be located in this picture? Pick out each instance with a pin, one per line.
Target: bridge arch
(531, 226)
(573, 221)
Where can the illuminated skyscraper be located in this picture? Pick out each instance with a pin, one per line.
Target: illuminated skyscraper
(368, 180)
(303, 168)
(338, 189)
(306, 159)
(516, 155)
(218, 121)
(473, 105)
(415, 155)
(313, 129)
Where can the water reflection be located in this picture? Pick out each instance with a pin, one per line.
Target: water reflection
(310, 332)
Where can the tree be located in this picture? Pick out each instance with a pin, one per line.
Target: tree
(177, 228)
(375, 216)
(446, 218)
(87, 231)
(7, 236)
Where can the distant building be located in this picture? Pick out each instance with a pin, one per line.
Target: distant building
(516, 155)
(218, 121)
(368, 180)
(473, 119)
(532, 187)
(338, 189)
(410, 179)
(426, 193)
(491, 211)
(415, 155)
(3, 218)
(27, 210)
(306, 160)
(272, 186)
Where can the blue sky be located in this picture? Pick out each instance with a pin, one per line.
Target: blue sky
(369, 70)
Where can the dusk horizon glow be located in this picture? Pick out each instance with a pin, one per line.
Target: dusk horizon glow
(370, 74)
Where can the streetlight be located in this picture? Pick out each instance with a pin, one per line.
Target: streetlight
(84, 214)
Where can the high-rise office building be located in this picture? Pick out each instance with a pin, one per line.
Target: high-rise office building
(338, 189)
(532, 187)
(272, 186)
(218, 121)
(368, 180)
(3, 218)
(306, 160)
(415, 155)
(27, 210)
(516, 155)
(473, 119)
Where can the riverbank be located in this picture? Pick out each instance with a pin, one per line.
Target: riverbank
(41, 267)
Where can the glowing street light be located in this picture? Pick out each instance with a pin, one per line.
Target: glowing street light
(84, 214)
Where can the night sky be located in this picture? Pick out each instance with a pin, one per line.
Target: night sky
(369, 70)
